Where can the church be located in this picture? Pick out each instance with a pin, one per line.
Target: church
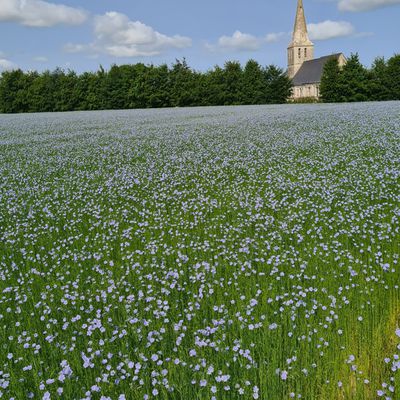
(305, 70)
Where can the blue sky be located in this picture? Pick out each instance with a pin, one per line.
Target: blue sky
(40, 35)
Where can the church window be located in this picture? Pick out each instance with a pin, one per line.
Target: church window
(299, 53)
(305, 52)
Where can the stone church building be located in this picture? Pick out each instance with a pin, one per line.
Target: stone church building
(303, 68)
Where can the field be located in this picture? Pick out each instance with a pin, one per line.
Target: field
(208, 253)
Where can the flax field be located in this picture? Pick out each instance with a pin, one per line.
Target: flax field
(204, 254)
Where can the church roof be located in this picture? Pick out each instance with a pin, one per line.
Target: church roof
(311, 71)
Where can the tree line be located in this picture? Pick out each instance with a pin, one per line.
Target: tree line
(178, 85)
(142, 86)
(354, 82)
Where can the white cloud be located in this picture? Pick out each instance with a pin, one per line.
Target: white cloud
(6, 65)
(237, 42)
(38, 13)
(118, 36)
(275, 37)
(365, 5)
(330, 30)
(245, 42)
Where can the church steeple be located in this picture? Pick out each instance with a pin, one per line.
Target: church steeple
(301, 48)
(300, 33)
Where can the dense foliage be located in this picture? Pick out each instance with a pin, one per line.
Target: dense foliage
(354, 82)
(142, 86)
(150, 86)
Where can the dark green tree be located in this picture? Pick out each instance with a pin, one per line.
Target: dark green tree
(354, 82)
(159, 87)
(14, 87)
(233, 79)
(117, 85)
(140, 89)
(393, 77)
(279, 86)
(254, 83)
(183, 84)
(330, 88)
(66, 98)
(91, 91)
(378, 88)
(44, 90)
(215, 92)
(84, 90)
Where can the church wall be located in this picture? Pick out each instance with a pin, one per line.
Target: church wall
(306, 91)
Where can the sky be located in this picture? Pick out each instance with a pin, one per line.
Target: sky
(82, 35)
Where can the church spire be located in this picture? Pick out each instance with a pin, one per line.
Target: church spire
(301, 49)
(300, 33)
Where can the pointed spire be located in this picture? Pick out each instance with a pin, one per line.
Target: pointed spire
(300, 33)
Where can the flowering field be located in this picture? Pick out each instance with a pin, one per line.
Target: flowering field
(210, 253)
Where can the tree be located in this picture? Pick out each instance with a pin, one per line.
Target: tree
(160, 93)
(278, 85)
(233, 79)
(91, 91)
(44, 90)
(183, 84)
(140, 89)
(254, 83)
(330, 88)
(393, 77)
(66, 98)
(378, 88)
(354, 82)
(84, 92)
(14, 92)
(215, 92)
(117, 84)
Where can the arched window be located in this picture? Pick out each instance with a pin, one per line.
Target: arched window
(305, 52)
(299, 53)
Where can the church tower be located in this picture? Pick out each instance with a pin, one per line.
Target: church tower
(301, 48)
